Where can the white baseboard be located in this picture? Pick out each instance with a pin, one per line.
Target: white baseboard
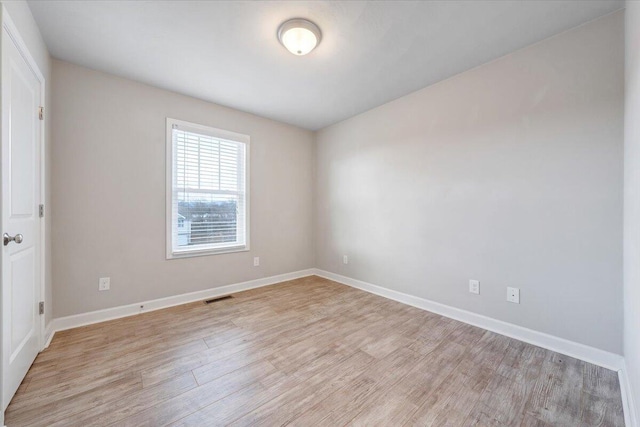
(77, 320)
(560, 345)
(589, 354)
(580, 351)
(49, 332)
(628, 403)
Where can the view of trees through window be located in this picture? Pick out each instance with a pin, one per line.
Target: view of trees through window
(207, 221)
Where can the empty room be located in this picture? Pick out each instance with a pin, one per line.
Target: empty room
(320, 213)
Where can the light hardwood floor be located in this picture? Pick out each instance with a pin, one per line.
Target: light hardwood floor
(306, 352)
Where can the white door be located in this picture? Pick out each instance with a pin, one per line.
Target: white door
(21, 256)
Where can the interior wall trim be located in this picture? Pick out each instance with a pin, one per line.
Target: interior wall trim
(628, 402)
(560, 345)
(83, 319)
(583, 352)
(48, 333)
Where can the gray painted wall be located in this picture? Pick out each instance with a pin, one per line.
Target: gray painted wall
(109, 193)
(632, 200)
(510, 173)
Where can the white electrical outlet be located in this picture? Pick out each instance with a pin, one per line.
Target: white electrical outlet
(104, 284)
(345, 259)
(256, 261)
(513, 295)
(474, 287)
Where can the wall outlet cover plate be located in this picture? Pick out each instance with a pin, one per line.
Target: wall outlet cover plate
(474, 287)
(513, 295)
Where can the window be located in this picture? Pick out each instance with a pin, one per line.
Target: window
(207, 196)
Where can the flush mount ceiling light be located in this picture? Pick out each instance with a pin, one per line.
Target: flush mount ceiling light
(299, 36)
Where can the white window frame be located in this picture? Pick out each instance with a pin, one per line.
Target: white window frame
(215, 133)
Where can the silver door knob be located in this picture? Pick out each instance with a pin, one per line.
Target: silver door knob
(8, 239)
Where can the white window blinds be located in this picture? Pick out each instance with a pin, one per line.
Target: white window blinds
(208, 200)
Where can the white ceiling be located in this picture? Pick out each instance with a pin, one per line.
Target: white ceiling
(228, 53)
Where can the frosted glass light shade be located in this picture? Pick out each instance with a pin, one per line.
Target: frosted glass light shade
(299, 36)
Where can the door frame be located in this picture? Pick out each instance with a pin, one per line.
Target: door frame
(14, 34)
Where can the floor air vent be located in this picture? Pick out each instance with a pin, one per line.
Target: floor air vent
(212, 300)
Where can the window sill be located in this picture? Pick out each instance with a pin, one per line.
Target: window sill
(206, 252)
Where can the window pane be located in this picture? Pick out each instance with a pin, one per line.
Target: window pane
(207, 218)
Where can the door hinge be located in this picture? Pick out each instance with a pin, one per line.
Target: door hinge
(41, 307)
(41, 113)
(41, 211)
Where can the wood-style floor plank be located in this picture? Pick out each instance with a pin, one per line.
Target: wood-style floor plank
(306, 352)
